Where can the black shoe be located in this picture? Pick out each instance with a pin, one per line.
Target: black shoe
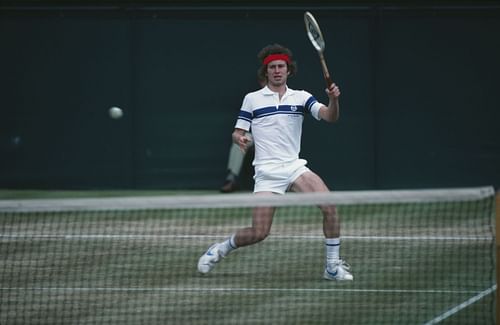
(229, 186)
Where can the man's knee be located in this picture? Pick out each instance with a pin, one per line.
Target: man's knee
(329, 210)
(260, 234)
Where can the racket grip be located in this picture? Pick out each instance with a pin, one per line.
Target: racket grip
(326, 74)
(328, 81)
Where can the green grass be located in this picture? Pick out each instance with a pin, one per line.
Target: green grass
(8, 194)
(140, 267)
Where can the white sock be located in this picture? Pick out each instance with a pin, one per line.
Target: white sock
(227, 246)
(332, 249)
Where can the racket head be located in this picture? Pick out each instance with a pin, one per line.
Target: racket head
(314, 32)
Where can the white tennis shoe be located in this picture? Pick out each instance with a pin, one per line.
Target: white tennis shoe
(338, 270)
(208, 260)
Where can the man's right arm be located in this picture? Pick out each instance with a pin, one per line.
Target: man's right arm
(241, 139)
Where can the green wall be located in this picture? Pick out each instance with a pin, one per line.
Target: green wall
(419, 103)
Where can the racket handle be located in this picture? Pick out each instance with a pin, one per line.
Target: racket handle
(326, 74)
(328, 81)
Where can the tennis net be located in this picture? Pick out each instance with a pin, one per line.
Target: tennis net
(417, 256)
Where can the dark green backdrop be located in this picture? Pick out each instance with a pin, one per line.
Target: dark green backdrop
(419, 105)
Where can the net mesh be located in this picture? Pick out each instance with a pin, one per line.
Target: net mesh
(418, 257)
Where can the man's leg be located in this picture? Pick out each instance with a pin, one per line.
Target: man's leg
(234, 165)
(311, 182)
(336, 268)
(262, 219)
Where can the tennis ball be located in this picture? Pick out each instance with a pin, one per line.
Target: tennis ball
(115, 112)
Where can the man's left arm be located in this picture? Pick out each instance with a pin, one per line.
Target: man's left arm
(331, 112)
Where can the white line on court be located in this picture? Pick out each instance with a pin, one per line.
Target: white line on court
(198, 289)
(461, 306)
(117, 236)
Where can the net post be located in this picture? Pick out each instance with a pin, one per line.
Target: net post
(497, 236)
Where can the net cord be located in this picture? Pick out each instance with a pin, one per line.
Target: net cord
(247, 200)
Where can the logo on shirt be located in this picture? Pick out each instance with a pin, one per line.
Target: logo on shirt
(293, 108)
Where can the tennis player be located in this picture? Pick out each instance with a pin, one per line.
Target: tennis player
(275, 113)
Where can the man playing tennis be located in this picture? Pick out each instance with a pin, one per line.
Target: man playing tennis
(275, 114)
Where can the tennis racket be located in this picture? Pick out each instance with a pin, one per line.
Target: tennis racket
(318, 42)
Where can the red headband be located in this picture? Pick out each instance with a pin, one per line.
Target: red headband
(273, 57)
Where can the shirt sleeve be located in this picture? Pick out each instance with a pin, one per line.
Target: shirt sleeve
(315, 110)
(312, 105)
(245, 115)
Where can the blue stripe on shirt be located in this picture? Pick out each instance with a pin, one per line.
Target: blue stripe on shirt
(282, 109)
(246, 116)
(310, 102)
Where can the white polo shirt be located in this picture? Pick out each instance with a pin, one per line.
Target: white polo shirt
(276, 125)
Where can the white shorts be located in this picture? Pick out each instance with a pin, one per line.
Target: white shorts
(278, 178)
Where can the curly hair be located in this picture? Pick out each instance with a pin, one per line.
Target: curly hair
(275, 49)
